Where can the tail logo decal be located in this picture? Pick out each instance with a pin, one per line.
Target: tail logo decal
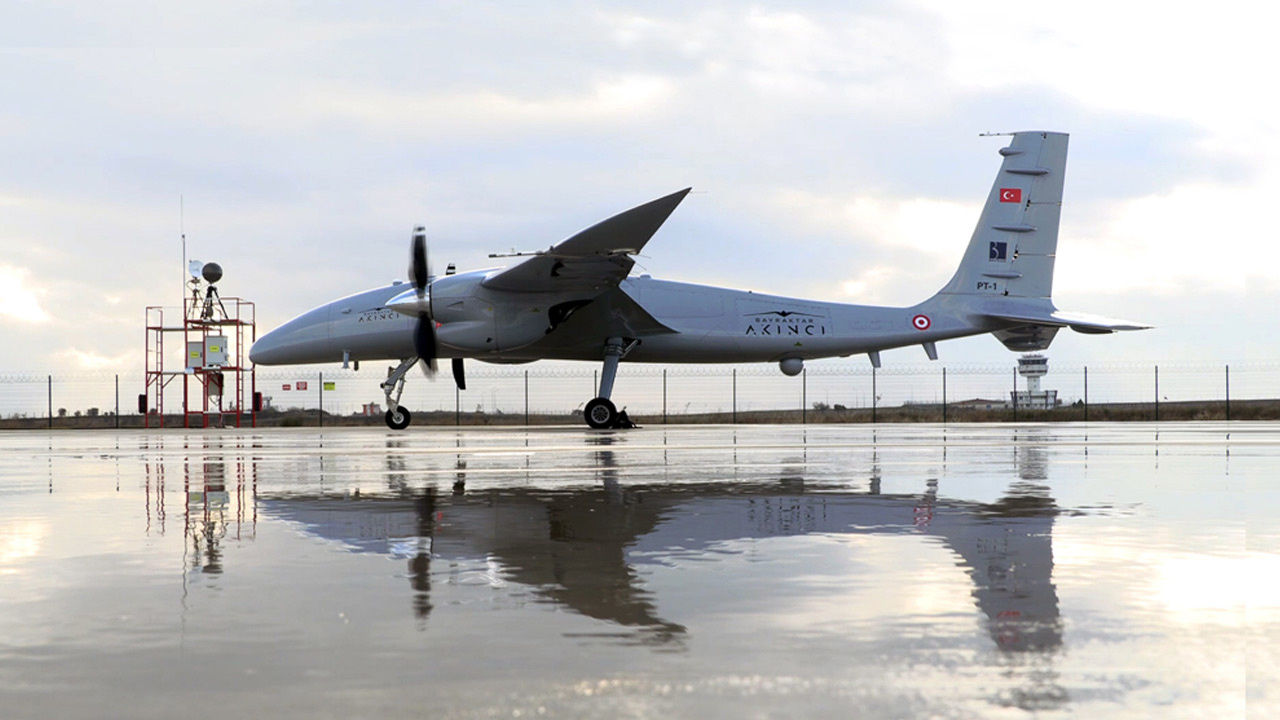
(921, 322)
(1010, 195)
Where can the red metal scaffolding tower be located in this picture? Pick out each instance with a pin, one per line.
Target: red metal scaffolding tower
(214, 332)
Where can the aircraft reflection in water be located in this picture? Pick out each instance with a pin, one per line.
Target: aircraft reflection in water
(580, 547)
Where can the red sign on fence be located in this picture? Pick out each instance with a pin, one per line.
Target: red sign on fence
(301, 384)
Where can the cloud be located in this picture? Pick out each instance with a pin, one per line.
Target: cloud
(618, 99)
(19, 303)
(90, 360)
(833, 148)
(873, 285)
(897, 249)
(927, 225)
(1135, 62)
(1193, 239)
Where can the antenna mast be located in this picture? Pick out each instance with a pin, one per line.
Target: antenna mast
(182, 228)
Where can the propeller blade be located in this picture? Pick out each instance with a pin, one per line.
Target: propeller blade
(424, 332)
(420, 270)
(458, 375)
(424, 343)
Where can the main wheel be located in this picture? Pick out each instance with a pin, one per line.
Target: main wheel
(398, 419)
(600, 413)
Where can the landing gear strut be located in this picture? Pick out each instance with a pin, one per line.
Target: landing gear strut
(398, 418)
(601, 413)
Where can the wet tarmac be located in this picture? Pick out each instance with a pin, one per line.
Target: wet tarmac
(752, 571)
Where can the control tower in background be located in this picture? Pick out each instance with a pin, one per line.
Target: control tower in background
(1033, 367)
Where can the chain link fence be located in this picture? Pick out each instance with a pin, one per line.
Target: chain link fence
(713, 393)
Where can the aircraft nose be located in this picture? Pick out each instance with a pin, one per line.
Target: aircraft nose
(304, 339)
(266, 349)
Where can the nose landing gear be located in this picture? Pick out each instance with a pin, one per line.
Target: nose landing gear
(398, 418)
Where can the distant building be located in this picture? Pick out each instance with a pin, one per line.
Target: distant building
(981, 404)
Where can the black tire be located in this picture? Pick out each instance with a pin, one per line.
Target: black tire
(600, 414)
(398, 419)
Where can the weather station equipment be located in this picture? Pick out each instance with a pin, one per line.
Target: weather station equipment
(218, 381)
(1033, 367)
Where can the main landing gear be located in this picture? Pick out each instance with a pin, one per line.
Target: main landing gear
(601, 413)
(398, 418)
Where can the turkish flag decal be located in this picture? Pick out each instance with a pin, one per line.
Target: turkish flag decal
(1011, 195)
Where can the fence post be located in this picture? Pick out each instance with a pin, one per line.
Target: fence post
(321, 384)
(874, 400)
(804, 397)
(664, 396)
(117, 401)
(526, 398)
(457, 405)
(1228, 392)
(735, 396)
(944, 395)
(1157, 393)
(1015, 393)
(1086, 393)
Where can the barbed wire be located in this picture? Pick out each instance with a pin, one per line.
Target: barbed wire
(478, 370)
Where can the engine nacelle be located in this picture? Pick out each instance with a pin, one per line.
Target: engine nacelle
(476, 319)
(471, 336)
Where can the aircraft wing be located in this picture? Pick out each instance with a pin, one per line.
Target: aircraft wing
(597, 258)
(612, 313)
(1080, 322)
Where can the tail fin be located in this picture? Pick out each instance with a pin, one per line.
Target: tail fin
(1006, 275)
(1012, 250)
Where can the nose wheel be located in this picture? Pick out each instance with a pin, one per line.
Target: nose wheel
(398, 419)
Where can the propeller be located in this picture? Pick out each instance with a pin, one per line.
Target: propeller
(424, 333)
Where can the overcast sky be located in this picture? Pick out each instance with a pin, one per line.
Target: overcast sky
(833, 148)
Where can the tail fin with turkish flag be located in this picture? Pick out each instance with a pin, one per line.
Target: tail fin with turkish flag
(1006, 277)
(1012, 249)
